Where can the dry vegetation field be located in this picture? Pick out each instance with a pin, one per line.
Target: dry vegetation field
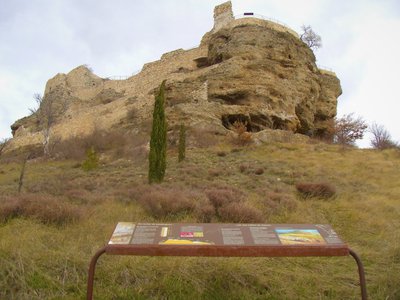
(50, 231)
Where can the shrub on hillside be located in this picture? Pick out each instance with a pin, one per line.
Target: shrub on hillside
(92, 160)
(243, 137)
(243, 168)
(101, 140)
(222, 196)
(205, 212)
(164, 202)
(276, 202)
(202, 138)
(320, 190)
(238, 212)
(259, 171)
(381, 138)
(348, 129)
(44, 208)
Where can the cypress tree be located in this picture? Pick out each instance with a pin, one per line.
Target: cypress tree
(182, 143)
(158, 140)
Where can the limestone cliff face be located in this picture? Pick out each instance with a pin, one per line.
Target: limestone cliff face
(247, 69)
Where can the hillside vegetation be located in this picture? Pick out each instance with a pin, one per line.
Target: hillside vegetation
(50, 231)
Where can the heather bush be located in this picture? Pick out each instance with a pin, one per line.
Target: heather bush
(215, 172)
(221, 153)
(44, 208)
(205, 212)
(259, 171)
(243, 168)
(237, 212)
(163, 202)
(276, 202)
(320, 190)
(222, 196)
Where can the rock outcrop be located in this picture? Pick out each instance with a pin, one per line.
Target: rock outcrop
(246, 69)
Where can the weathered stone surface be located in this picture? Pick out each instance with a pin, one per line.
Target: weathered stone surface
(248, 69)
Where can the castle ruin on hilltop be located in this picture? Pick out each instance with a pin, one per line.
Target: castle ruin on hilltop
(248, 69)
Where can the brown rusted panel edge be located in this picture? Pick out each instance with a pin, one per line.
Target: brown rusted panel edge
(231, 251)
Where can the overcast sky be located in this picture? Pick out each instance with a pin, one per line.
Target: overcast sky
(40, 38)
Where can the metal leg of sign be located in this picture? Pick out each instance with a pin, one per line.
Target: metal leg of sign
(361, 273)
(89, 294)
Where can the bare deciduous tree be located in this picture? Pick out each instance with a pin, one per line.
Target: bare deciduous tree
(46, 113)
(381, 138)
(348, 129)
(309, 37)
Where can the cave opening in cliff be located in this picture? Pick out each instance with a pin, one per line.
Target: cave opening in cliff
(253, 123)
(228, 121)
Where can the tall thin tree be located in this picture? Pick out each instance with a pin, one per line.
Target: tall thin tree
(158, 139)
(182, 143)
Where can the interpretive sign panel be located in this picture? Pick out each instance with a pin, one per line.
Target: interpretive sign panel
(226, 239)
(240, 240)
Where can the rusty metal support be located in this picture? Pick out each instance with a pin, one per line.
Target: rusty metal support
(361, 273)
(89, 293)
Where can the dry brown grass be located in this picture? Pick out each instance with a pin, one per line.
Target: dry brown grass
(44, 208)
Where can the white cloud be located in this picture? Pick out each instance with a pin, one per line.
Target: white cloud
(42, 38)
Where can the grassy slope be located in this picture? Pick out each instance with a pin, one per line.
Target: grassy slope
(39, 261)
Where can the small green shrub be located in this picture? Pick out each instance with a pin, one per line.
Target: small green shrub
(92, 160)
(319, 190)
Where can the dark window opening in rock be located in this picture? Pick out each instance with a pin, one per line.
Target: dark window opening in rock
(202, 62)
(235, 98)
(260, 122)
(278, 123)
(218, 59)
(289, 56)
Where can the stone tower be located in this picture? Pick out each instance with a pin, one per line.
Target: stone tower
(223, 15)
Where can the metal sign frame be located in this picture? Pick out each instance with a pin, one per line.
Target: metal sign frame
(225, 240)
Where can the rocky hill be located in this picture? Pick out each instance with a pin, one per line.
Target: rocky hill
(246, 69)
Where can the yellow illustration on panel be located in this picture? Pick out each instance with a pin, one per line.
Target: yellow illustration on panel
(183, 242)
(300, 236)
